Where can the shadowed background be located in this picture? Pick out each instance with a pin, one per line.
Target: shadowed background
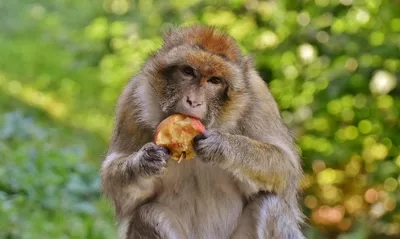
(333, 66)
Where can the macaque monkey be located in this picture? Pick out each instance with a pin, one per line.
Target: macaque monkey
(244, 181)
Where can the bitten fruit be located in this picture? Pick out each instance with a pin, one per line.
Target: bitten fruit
(176, 133)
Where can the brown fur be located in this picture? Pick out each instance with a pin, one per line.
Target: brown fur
(208, 38)
(245, 180)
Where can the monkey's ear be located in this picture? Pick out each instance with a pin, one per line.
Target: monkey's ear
(248, 63)
(168, 34)
(174, 36)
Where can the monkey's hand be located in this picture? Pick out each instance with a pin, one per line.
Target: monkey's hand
(152, 159)
(210, 146)
(259, 165)
(129, 179)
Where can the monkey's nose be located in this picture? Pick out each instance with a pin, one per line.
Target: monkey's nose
(193, 103)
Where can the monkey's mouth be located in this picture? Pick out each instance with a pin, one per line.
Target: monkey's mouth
(193, 116)
(190, 114)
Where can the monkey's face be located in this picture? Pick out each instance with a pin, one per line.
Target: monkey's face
(197, 83)
(196, 93)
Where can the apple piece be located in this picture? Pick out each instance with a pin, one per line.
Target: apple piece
(176, 133)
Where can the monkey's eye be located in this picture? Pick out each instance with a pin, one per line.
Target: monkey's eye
(187, 70)
(215, 80)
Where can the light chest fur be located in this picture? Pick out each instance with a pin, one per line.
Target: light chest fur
(204, 197)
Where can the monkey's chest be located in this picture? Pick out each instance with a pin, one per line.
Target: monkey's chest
(205, 198)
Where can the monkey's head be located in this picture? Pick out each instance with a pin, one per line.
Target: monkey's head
(199, 72)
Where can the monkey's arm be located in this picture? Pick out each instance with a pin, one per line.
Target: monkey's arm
(130, 180)
(131, 169)
(261, 166)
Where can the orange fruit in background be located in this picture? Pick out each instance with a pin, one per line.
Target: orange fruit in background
(176, 133)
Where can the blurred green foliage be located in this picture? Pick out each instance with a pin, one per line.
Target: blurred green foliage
(332, 65)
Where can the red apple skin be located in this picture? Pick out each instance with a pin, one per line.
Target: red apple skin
(198, 125)
(176, 133)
